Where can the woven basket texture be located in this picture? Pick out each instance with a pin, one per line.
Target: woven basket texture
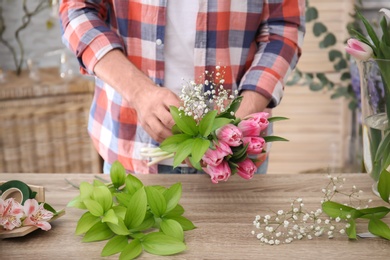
(43, 125)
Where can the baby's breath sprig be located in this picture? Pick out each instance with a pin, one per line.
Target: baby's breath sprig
(297, 223)
(200, 98)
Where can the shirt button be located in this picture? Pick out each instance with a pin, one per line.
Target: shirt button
(158, 41)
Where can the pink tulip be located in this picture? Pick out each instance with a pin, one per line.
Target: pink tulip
(10, 213)
(36, 215)
(218, 173)
(255, 144)
(230, 134)
(215, 157)
(359, 50)
(253, 124)
(246, 169)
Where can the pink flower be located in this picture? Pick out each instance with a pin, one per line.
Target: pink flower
(255, 144)
(215, 157)
(230, 134)
(218, 173)
(10, 213)
(246, 169)
(253, 124)
(36, 215)
(359, 50)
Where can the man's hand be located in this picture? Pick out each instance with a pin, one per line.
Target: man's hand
(153, 112)
(150, 101)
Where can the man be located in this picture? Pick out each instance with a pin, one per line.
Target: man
(138, 50)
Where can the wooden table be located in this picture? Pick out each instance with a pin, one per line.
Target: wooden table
(223, 214)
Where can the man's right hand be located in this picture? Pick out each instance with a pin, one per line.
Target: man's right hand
(150, 101)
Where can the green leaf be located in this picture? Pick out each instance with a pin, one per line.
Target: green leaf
(342, 64)
(385, 31)
(319, 28)
(185, 223)
(94, 207)
(334, 210)
(136, 209)
(77, 202)
(123, 198)
(334, 54)
(277, 118)
(351, 230)
(103, 196)
(172, 228)
(115, 245)
(233, 107)
(132, 184)
(371, 32)
(323, 79)
(274, 138)
(99, 231)
(199, 148)
(206, 124)
(183, 151)
(376, 212)
(172, 196)
(187, 124)
(120, 228)
(379, 228)
(117, 174)
(315, 86)
(148, 222)
(177, 211)
(156, 201)
(158, 243)
(329, 40)
(219, 122)
(86, 221)
(345, 76)
(110, 216)
(132, 250)
(384, 185)
(120, 211)
(311, 14)
(86, 190)
(171, 143)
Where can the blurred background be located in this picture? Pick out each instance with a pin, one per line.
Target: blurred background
(44, 101)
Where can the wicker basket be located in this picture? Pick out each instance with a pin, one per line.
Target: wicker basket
(44, 125)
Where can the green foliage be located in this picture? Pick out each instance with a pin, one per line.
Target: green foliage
(376, 226)
(340, 88)
(131, 216)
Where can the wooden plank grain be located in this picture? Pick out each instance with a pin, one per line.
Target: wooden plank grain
(223, 214)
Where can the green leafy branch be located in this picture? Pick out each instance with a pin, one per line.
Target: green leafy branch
(374, 214)
(131, 216)
(318, 81)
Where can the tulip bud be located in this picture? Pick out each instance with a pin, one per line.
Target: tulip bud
(359, 50)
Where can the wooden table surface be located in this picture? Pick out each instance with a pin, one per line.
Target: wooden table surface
(223, 214)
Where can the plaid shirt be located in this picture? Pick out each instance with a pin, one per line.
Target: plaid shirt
(259, 42)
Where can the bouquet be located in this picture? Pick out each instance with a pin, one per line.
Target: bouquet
(209, 135)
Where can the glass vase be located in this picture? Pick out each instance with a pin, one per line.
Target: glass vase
(375, 105)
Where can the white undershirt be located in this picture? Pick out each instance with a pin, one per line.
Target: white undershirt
(179, 43)
(179, 46)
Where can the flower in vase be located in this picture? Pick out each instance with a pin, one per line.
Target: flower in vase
(359, 50)
(246, 169)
